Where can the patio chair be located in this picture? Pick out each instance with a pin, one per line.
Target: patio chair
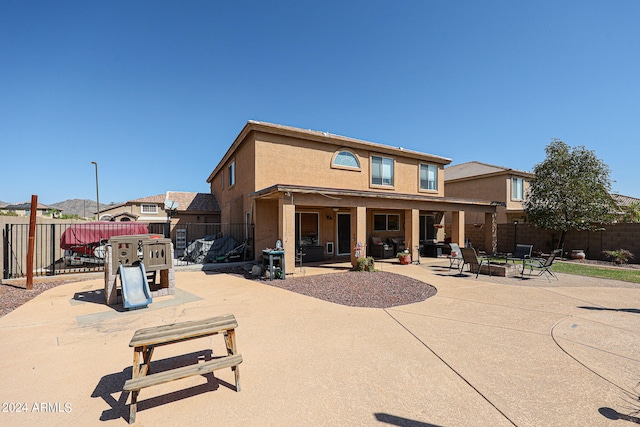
(544, 264)
(470, 257)
(455, 257)
(398, 244)
(380, 249)
(522, 253)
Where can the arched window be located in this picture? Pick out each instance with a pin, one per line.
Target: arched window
(345, 159)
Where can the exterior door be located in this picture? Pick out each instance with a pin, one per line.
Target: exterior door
(344, 234)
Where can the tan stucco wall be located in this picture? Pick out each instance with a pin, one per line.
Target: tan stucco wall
(136, 209)
(266, 220)
(491, 188)
(286, 160)
(263, 160)
(234, 201)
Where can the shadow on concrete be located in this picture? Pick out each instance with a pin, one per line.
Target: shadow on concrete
(612, 414)
(400, 421)
(624, 310)
(96, 296)
(110, 386)
(452, 274)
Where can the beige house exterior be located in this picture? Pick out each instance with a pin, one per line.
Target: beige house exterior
(504, 186)
(24, 209)
(188, 208)
(327, 195)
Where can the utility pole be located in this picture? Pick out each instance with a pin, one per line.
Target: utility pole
(97, 197)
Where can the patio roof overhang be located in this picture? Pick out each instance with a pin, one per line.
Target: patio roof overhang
(444, 203)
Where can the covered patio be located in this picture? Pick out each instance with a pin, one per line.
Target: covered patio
(328, 223)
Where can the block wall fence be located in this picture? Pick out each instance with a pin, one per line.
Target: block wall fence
(610, 237)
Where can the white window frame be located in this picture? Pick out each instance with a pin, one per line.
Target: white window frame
(232, 173)
(429, 168)
(337, 155)
(149, 208)
(517, 188)
(387, 163)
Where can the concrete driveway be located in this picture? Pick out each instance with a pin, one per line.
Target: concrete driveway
(482, 352)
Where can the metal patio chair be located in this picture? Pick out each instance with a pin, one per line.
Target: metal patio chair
(455, 258)
(471, 258)
(522, 253)
(544, 264)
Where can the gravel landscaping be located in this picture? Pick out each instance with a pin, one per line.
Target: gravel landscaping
(360, 289)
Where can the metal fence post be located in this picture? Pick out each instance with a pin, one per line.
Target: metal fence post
(5, 252)
(53, 249)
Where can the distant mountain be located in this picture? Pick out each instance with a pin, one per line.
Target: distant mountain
(3, 203)
(81, 207)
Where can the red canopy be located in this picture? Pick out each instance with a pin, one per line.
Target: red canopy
(94, 232)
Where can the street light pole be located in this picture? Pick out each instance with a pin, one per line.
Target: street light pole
(97, 197)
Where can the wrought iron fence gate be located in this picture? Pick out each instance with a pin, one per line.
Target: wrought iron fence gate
(50, 258)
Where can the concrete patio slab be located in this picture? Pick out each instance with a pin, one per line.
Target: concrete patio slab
(480, 352)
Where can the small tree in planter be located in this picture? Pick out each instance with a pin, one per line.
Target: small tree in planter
(620, 256)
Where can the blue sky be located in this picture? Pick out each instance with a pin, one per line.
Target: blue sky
(156, 91)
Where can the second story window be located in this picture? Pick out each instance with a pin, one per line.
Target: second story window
(428, 177)
(232, 173)
(517, 186)
(381, 171)
(148, 208)
(344, 159)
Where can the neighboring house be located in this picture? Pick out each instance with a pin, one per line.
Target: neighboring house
(628, 207)
(188, 207)
(324, 194)
(504, 186)
(24, 209)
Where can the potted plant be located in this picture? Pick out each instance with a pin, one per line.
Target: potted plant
(578, 254)
(404, 257)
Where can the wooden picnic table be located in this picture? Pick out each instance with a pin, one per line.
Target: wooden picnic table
(144, 341)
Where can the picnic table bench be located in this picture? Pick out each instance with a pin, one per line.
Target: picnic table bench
(144, 341)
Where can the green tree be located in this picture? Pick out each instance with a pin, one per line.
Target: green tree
(571, 191)
(52, 212)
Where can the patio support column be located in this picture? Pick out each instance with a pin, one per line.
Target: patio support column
(412, 231)
(287, 232)
(490, 233)
(457, 227)
(358, 232)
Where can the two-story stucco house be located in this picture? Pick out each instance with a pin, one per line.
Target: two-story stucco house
(489, 182)
(188, 207)
(329, 194)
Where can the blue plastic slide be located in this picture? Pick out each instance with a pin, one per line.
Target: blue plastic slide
(135, 287)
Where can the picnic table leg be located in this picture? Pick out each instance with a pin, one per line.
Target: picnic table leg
(133, 406)
(138, 370)
(135, 373)
(230, 341)
(146, 354)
